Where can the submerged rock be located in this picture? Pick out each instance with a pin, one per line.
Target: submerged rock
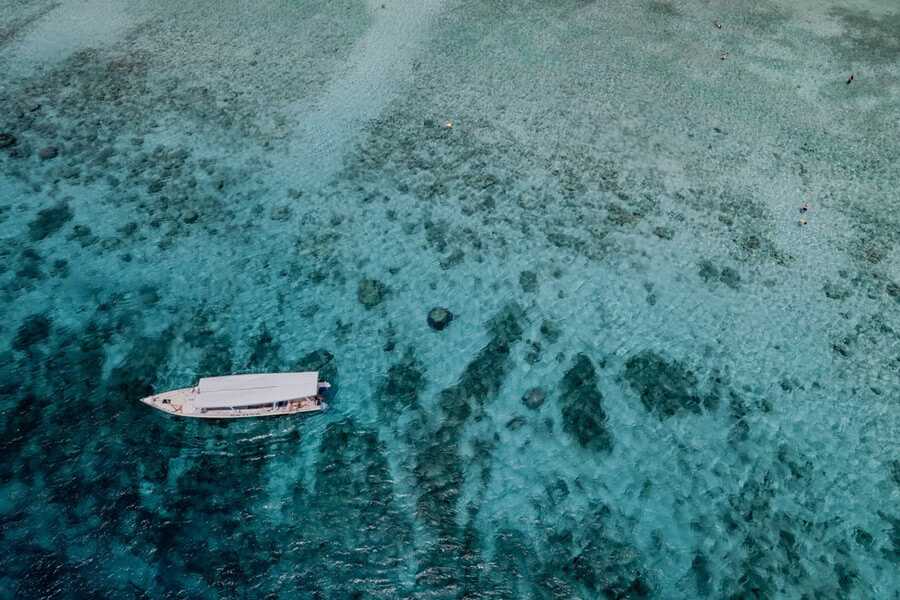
(666, 233)
(534, 398)
(439, 317)
(582, 406)
(48, 153)
(371, 292)
(190, 217)
(516, 423)
(281, 213)
(7, 140)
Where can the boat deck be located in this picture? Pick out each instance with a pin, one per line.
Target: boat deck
(173, 402)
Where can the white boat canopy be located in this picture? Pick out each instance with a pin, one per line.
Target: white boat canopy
(251, 390)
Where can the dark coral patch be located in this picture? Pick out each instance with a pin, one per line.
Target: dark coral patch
(371, 292)
(728, 275)
(611, 568)
(264, 356)
(550, 331)
(867, 36)
(666, 388)
(10, 381)
(135, 375)
(34, 330)
(321, 360)
(49, 221)
(595, 559)
(582, 406)
(529, 281)
(506, 327)
(439, 468)
(29, 267)
(404, 382)
(485, 374)
(353, 503)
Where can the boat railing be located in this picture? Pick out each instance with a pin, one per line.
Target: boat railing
(231, 410)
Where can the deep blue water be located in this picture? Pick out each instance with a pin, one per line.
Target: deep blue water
(657, 382)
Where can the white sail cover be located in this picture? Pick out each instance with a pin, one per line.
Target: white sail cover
(250, 390)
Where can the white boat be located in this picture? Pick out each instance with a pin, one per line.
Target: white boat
(243, 396)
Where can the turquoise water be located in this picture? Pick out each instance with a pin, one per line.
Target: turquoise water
(614, 218)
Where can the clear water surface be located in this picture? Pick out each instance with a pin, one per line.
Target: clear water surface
(210, 187)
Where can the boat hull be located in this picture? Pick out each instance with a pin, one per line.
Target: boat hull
(180, 403)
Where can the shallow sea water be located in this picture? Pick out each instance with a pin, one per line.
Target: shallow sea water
(613, 218)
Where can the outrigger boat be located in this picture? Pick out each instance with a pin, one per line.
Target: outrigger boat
(243, 396)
